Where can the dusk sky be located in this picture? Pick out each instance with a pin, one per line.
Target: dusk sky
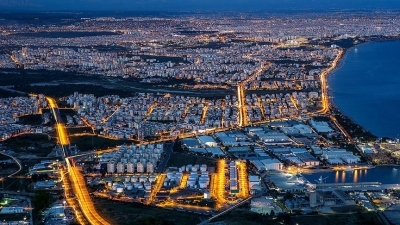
(180, 5)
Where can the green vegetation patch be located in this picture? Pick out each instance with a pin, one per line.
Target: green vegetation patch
(33, 120)
(92, 142)
(62, 90)
(368, 218)
(8, 94)
(37, 144)
(137, 214)
(181, 159)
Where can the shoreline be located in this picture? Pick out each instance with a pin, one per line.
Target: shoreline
(333, 107)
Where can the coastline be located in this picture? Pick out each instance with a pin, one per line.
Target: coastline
(333, 107)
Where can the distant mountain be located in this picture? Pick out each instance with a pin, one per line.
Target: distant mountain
(179, 5)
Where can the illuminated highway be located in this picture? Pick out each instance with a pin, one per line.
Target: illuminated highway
(156, 188)
(67, 193)
(16, 161)
(77, 181)
(241, 95)
(184, 180)
(219, 185)
(60, 127)
(85, 202)
(324, 87)
(242, 179)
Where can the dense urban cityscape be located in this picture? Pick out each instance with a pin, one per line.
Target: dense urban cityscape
(203, 118)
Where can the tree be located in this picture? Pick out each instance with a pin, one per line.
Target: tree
(272, 213)
(41, 200)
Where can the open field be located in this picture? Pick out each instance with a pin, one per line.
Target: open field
(127, 213)
(36, 144)
(89, 142)
(368, 218)
(31, 120)
(180, 159)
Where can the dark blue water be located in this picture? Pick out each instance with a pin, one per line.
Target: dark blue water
(384, 175)
(366, 87)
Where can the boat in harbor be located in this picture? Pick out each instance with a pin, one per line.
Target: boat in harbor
(349, 169)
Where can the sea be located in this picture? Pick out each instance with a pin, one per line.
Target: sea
(366, 87)
(382, 174)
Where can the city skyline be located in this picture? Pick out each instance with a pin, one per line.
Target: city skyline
(193, 5)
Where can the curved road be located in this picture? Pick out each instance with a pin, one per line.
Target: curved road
(16, 161)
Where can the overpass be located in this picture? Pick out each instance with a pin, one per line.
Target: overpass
(225, 211)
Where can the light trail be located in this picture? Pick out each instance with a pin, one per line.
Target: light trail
(241, 95)
(184, 180)
(156, 188)
(82, 195)
(204, 114)
(220, 182)
(110, 116)
(294, 102)
(77, 181)
(16, 161)
(243, 181)
(324, 87)
(67, 189)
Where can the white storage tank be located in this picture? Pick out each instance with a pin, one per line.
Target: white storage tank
(110, 167)
(142, 178)
(130, 167)
(147, 186)
(120, 189)
(166, 182)
(203, 168)
(134, 178)
(140, 167)
(129, 187)
(203, 184)
(137, 184)
(120, 167)
(152, 178)
(149, 167)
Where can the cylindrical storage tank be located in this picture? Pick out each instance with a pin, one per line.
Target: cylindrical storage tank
(203, 168)
(190, 183)
(147, 186)
(130, 167)
(110, 167)
(120, 167)
(203, 184)
(129, 187)
(142, 178)
(152, 178)
(149, 167)
(137, 184)
(166, 182)
(140, 167)
(120, 189)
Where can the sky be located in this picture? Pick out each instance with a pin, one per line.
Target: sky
(193, 5)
